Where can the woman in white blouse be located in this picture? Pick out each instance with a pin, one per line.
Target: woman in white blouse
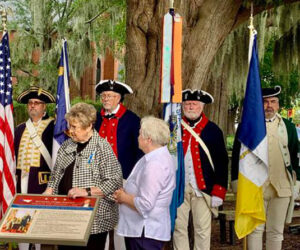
(145, 200)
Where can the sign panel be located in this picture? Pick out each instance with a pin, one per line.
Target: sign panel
(56, 220)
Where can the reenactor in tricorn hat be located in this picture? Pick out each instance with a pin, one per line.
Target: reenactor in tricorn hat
(33, 144)
(279, 190)
(120, 127)
(206, 171)
(117, 124)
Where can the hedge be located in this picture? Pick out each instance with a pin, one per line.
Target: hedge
(21, 115)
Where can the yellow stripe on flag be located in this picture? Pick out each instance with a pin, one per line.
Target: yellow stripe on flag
(60, 71)
(250, 211)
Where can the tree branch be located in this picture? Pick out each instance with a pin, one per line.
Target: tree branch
(244, 13)
(64, 10)
(27, 72)
(95, 17)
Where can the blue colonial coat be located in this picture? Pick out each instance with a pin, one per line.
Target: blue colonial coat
(125, 138)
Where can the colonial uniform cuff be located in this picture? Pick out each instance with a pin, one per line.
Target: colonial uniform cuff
(219, 191)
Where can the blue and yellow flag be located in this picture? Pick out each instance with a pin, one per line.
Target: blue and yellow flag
(253, 163)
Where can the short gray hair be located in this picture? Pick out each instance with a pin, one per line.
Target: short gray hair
(84, 113)
(155, 129)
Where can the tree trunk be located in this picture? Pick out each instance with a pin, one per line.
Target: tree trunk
(231, 119)
(205, 26)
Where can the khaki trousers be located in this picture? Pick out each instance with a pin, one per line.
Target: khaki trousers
(201, 221)
(276, 209)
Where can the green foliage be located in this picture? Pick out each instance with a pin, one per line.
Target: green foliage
(247, 3)
(289, 81)
(21, 17)
(233, 101)
(11, 245)
(97, 105)
(41, 24)
(266, 71)
(21, 115)
(278, 33)
(229, 142)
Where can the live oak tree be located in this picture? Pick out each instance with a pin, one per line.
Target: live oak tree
(278, 43)
(215, 44)
(206, 25)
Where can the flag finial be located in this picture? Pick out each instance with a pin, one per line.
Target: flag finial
(4, 12)
(4, 18)
(251, 26)
(171, 4)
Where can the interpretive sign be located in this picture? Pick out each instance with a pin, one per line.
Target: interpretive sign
(56, 220)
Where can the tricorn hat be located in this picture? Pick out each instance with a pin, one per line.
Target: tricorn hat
(197, 95)
(112, 85)
(35, 92)
(271, 92)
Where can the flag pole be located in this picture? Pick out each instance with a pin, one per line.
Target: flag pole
(251, 30)
(4, 20)
(251, 26)
(171, 9)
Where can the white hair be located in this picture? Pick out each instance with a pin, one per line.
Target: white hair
(155, 129)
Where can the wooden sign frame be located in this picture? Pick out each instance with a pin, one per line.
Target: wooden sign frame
(56, 220)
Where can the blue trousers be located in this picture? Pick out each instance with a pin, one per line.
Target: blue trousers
(143, 243)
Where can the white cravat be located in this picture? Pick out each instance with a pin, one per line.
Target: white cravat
(114, 111)
(271, 119)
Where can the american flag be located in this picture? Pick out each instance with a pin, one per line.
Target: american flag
(7, 152)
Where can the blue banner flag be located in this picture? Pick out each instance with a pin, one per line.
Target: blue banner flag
(253, 118)
(62, 102)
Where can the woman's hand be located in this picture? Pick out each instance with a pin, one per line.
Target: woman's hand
(119, 195)
(77, 192)
(48, 191)
(122, 197)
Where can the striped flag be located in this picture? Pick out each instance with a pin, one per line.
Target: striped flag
(170, 77)
(7, 152)
(62, 102)
(171, 95)
(253, 163)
